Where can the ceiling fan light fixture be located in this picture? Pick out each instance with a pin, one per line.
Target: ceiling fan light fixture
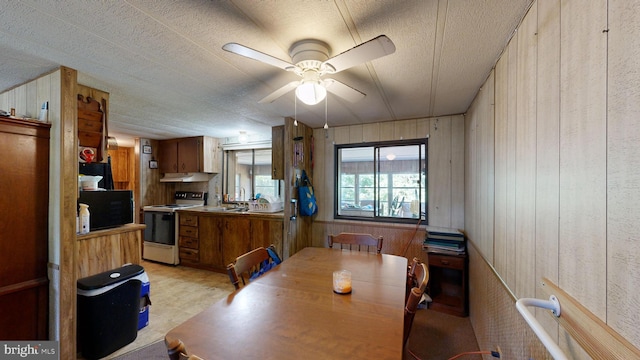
(311, 92)
(311, 59)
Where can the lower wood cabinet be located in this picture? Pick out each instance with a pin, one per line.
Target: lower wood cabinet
(211, 245)
(236, 238)
(188, 238)
(266, 232)
(219, 239)
(448, 283)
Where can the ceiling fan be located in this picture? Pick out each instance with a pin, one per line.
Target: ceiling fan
(310, 60)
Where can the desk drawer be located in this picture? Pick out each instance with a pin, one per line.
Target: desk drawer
(189, 231)
(451, 262)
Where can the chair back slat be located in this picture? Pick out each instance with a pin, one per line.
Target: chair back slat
(360, 242)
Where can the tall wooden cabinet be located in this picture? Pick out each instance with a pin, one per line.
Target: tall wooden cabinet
(24, 285)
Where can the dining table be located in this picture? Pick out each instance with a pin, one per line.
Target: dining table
(292, 312)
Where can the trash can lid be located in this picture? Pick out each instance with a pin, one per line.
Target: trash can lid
(110, 277)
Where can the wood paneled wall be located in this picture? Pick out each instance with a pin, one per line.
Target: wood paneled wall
(623, 169)
(27, 98)
(445, 179)
(558, 196)
(297, 233)
(58, 88)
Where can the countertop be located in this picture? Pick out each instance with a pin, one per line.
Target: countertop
(216, 211)
(111, 231)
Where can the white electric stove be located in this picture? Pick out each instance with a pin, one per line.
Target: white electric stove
(161, 234)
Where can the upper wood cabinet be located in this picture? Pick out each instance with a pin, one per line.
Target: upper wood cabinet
(120, 164)
(277, 152)
(193, 154)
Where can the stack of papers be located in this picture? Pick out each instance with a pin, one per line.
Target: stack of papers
(444, 240)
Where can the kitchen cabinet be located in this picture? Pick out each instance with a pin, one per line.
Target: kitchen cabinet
(24, 284)
(120, 159)
(266, 232)
(193, 154)
(277, 152)
(448, 283)
(220, 238)
(211, 244)
(237, 240)
(188, 238)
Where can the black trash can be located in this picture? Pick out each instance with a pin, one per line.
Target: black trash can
(108, 308)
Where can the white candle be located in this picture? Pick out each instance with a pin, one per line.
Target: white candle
(342, 281)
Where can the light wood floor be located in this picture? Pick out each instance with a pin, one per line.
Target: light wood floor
(178, 293)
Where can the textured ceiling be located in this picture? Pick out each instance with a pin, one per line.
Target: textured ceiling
(162, 60)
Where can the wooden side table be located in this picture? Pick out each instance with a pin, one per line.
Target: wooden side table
(448, 283)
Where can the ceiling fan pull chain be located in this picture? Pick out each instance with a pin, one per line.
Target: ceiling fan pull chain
(295, 109)
(326, 126)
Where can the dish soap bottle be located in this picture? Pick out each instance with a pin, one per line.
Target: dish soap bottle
(84, 218)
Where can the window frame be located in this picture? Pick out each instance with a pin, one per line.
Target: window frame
(251, 192)
(423, 171)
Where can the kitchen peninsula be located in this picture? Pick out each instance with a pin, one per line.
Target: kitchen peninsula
(104, 250)
(211, 238)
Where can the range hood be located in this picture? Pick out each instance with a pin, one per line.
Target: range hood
(186, 177)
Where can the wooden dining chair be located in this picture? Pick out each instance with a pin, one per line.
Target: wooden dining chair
(360, 242)
(417, 276)
(248, 263)
(177, 351)
(410, 311)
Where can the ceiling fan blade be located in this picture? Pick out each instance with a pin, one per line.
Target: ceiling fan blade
(257, 55)
(367, 51)
(344, 91)
(276, 94)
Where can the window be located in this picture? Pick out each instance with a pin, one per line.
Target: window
(383, 181)
(248, 173)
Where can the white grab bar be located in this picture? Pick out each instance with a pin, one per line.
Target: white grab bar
(552, 304)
